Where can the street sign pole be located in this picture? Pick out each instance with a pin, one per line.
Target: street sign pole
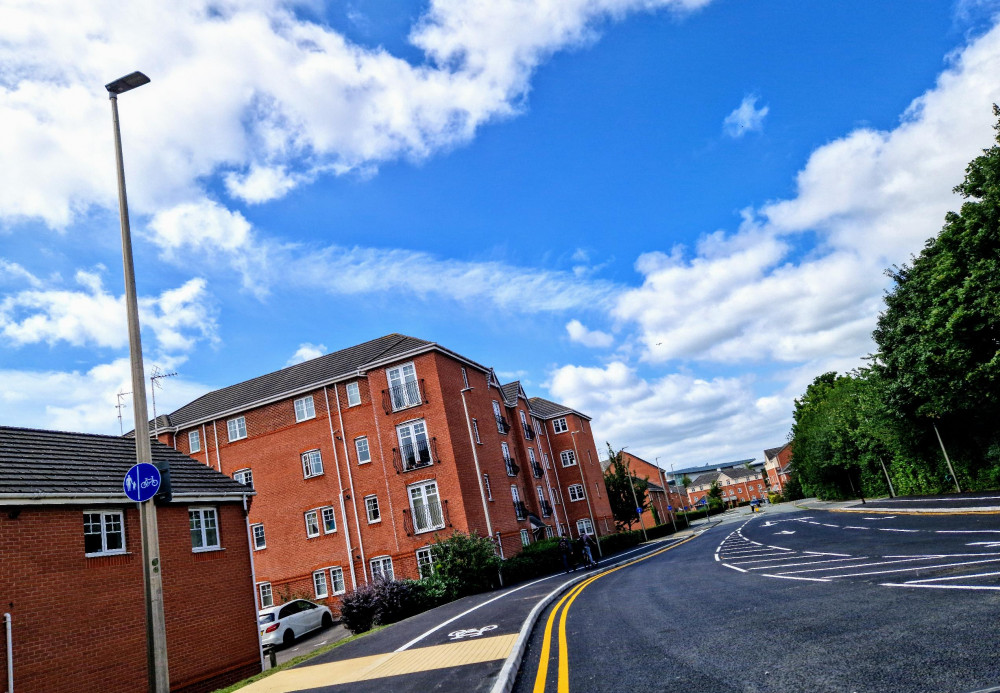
(156, 630)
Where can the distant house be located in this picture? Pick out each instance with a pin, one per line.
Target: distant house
(71, 579)
(663, 500)
(738, 485)
(777, 465)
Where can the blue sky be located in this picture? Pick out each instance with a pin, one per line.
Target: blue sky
(671, 214)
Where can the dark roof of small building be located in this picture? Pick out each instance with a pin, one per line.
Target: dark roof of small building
(54, 463)
(705, 478)
(772, 452)
(741, 472)
(298, 377)
(545, 409)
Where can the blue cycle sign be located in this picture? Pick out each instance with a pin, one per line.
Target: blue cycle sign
(142, 482)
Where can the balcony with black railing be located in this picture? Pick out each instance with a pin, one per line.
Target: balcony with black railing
(512, 468)
(503, 425)
(403, 396)
(536, 469)
(426, 518)
(520, 510)
(546, 509)
(529, 432)
(412, 456)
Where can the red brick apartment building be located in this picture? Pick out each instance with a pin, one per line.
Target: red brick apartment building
(738, 485)
(71, 583)
(362, 457)
(666, 500)
(777, 464)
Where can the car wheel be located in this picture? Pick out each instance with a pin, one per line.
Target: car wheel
(288, 638)
(327, 620)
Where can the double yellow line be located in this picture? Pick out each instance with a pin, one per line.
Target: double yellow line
(562, 609)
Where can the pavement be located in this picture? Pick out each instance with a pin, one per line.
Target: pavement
(476, 644)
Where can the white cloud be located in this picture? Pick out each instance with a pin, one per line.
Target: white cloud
(14, 271)
(745, 118)
(178, 318)
(306, 352)
(83, 401)
(282, 99)
(591, 338)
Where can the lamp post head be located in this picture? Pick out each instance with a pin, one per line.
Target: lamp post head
(126, 83)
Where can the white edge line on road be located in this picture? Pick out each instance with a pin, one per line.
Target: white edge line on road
(919, 567)
(887, 529)
(967, 531)
(828, 525)
(734, 567)
(787, 577)
(716, 555)
(941, 587)
(953, 577)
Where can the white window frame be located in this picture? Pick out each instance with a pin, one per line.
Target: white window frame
(327, 511)
(369, 507)
(236, 428)
(308, 463)
(425, 560)
(203, 513)
(357, 449)
(465, 378)
(104, 520)
(498, 415)
(305, 409)
(265, 595)
(525, 537)
(524, 422)
(378, 566)
(262, 543)
(560, 425)
(420, 495)
(584, 525)
(312, 523)
(489, 491)
(317, 577)
(353, 393)
(194, 441)
(337, 578)
(475, 431)
(243, 476)
(578, 491)
(399, 376)
(410, 433)
(567, 455)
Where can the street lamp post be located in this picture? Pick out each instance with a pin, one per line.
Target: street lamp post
(156, 632)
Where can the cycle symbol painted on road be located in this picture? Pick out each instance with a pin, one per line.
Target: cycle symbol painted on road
(469, 632)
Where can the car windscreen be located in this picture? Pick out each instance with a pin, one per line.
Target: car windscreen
(265, 618)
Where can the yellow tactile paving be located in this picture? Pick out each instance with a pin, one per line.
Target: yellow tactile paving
(455, 654)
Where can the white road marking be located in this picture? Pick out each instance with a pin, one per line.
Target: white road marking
(774, 557)
(930, 500)
(887, 517)
(888, 529)
(967, 531)
(787, 577)
(940, 587)
(785, 531)
(987, 544)
(792, 565)
(851, 527)
(826, 525)
(734, 567)
(924, 567)
(953, 577)
(864, 565)
(822, 553)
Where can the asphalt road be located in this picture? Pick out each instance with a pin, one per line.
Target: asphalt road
(804, 601)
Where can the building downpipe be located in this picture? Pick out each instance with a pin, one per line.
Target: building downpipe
(10, 653)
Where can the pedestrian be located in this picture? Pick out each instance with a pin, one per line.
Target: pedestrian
(564, 552)
(587, 554)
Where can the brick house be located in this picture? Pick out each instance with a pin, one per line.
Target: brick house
(777, 465)
(71, 575)
(738, 485)
(659, 498)
(362, 457)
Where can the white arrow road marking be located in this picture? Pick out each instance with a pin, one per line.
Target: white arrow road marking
(785, 531)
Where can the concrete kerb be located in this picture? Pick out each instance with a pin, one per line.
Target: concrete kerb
(508, 673)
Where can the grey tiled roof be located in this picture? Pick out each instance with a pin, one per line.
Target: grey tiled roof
(702, 479)
(717, 466)
(771, 452)
(298, 377)
(47, 463)
(510, 392)
(544, 409)
(741, 473)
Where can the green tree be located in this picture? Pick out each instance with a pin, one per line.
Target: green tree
(938, 357)
(619, 482)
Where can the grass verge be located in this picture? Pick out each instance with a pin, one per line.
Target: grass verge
(298, 660)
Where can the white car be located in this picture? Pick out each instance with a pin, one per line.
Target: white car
(282, 624)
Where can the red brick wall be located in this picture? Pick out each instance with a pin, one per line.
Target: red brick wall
(79, 623)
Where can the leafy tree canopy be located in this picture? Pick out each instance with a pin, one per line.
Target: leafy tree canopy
(620, 481)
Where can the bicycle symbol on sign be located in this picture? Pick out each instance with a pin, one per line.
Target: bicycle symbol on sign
(469, 632)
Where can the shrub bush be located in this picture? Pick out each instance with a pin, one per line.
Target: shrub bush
(383, 602)
(465, 564)
(359, 609)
